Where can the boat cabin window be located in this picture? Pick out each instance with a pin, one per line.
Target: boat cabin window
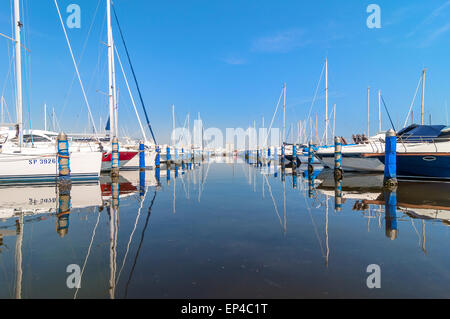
(36, 138)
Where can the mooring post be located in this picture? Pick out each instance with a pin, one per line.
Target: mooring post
(115, 157)
(390, 201)
(158, 158)
(294, 154)
(310, 158)
(390, 160)
(63, 159)
(141, 156)
(338, 171)
(168, 155)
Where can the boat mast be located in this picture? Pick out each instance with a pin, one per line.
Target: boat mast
(3, 115)
(368, 111)
(19, 101)
(326, 101)
(111, 81)
(262, 141)
(173, 125)
(379, 110)
(334, 120)
(423, 95)
(189, 130)
(284, 113)
(317, 132)
(54, 119)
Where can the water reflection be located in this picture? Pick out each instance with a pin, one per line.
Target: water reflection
(220, 228)
(426, 201)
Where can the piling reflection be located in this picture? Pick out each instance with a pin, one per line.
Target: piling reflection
(278, 214)
(62, 225)
(21, 205)
(427, 201)
(359, 192)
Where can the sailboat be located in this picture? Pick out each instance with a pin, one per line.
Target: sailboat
(21, 161)
(128, 147)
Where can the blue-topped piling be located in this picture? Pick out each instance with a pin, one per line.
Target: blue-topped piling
(115, 157)
(310, 158)
(390, 160)
(294, 155)
(338, 170)
(158, 158)
(63, 158)
(141, 156)
(168, 155)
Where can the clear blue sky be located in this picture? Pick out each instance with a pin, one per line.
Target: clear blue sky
(228, 60)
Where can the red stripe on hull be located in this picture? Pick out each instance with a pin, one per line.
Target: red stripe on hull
(123, 156)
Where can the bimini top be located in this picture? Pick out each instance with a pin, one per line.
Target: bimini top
(420, 133)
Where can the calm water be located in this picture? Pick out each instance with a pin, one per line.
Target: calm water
(225, 230)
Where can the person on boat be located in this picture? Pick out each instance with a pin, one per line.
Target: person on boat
(364, 139)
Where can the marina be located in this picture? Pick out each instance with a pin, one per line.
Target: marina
(136, 180)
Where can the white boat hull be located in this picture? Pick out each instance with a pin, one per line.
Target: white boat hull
(356, 164)
(42, 166)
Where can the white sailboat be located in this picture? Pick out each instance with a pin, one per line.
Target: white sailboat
(22, 162)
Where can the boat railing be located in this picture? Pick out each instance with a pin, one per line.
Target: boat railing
(421, 139)
(372, 146)
(424, 140)
(438, 140)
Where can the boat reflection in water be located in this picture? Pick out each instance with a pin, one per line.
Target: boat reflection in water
(165, 233)
(24, 207)
(410, 201)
